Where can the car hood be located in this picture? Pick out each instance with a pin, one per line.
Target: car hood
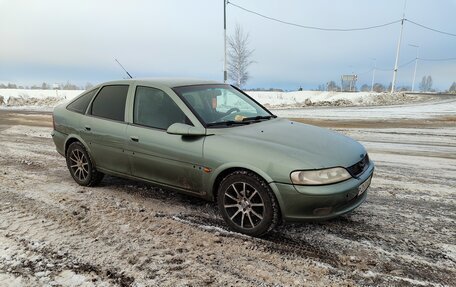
(301, 146)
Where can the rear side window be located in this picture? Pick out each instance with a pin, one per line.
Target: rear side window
(81, 103)
(154, 108)
(110, 102)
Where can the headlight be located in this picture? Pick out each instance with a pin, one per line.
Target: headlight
(319, 177)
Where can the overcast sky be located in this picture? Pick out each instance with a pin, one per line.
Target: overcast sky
(57, 40)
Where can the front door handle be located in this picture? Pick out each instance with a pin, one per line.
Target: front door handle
(87, 128)
(134, 138)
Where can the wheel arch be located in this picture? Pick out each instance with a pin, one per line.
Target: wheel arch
(93, 176)
(74, 138)
(220, 173)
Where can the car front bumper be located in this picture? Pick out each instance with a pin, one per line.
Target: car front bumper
(320, 202)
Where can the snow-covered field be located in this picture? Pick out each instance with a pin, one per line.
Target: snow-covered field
(45, 100)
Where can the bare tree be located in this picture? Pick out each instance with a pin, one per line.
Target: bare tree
(45, 86)
(70, 86)
(378, 88)
(88, 86)
(452, 88)
(239, 57)
(331, 86)
(426, 84)
(365, 88)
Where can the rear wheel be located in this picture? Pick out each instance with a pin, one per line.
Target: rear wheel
(81, 167)
(247, 203)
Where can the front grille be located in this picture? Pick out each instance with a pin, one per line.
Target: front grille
(358, 168)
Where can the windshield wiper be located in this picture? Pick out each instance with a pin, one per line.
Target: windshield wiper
(245, 121)
(257, 118)
(227, 123)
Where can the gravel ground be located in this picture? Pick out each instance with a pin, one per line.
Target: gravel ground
(125, 233)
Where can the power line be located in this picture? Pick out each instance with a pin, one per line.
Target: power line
(314, 27)
(436, 60)
(384, 70)
(400, 66)
(408, 63)
(365, 72)
(429, 28)
(338, 29)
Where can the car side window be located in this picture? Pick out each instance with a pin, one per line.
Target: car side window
(81, 103)
(110, 102)
(154, 108)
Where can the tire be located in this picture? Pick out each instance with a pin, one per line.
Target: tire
(81, 167)
(247, 203)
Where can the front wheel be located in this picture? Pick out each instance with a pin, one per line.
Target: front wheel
(81, 167)
(247, 203)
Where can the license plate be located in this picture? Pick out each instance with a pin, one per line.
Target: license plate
(363, 187)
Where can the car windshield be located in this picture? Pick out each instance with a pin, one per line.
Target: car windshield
(222, 105)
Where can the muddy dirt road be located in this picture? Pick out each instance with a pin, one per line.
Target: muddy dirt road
(125, 233)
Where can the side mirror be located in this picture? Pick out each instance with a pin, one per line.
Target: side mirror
(185, 130)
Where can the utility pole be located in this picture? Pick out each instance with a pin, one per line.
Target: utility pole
(225, 75)
(393, 83)
(373, 74)
(416, 64)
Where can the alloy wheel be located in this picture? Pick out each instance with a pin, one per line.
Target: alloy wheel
(244, 205)
(79, 164)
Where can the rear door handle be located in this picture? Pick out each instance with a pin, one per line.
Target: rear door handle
(87, 128)
(135, 139)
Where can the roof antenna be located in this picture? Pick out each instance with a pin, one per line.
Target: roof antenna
(123, 68)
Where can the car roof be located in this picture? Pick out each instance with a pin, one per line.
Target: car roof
(168, 82)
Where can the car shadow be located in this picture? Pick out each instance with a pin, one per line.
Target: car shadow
(205, 213)
(149, 191)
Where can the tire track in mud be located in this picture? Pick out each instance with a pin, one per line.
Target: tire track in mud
(392, 243)
(287, 245)
(52, 263)
(27, 226)
(273, 242)
(394, 252)
(72, 227)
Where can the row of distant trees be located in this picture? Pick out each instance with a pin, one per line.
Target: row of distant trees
(424, 86)
(45, 86)
(378, 87)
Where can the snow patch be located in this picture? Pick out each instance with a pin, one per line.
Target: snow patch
(421, 110)
(29, 131)
(275, 100)
(450, 250)
(35, 98)
(371, 274)
(69, 278)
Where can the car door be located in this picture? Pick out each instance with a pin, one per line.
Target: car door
(105, 129)
(155, 155)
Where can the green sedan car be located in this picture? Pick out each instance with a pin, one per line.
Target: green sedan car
(213, 141)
